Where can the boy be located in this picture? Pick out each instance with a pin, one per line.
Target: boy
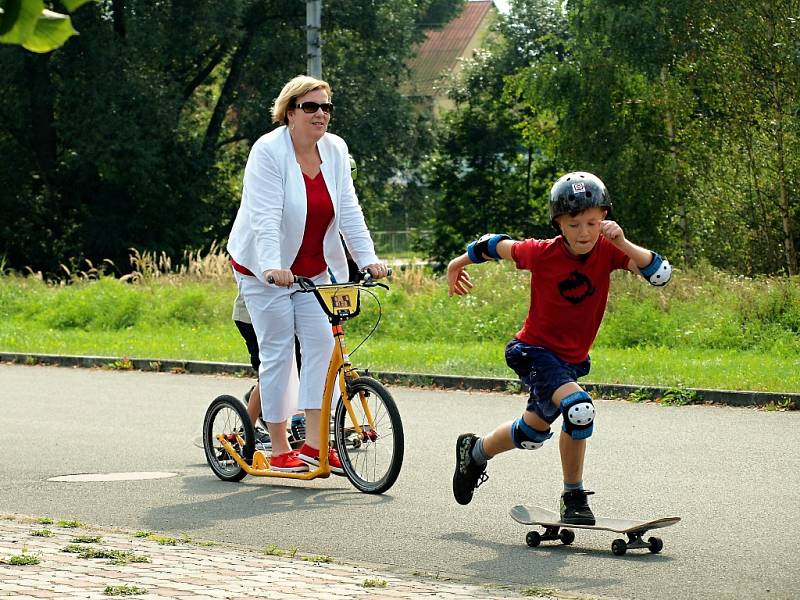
(570, 276)
(241, 319)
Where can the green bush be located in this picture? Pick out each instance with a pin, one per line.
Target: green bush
(193, 305)
(700, 309)
(102, 305)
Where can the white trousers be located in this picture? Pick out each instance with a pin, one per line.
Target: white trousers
(278, 314)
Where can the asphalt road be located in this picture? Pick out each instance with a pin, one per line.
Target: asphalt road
(733, 475)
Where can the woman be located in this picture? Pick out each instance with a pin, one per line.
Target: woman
(297, 198)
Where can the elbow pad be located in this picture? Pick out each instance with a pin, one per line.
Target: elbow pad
(658, 272)
(486, 244)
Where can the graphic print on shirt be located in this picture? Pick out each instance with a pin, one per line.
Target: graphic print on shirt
(576, 288)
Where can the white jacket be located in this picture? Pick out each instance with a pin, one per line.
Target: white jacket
(269, 226)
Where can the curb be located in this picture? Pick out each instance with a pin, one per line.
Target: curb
(458, 382)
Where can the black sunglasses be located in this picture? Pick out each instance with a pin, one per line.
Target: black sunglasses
(312, 107)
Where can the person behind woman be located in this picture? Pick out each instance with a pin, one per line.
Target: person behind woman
(297, 198)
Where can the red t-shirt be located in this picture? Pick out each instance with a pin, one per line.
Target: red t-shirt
(310, 259)
(568, 294)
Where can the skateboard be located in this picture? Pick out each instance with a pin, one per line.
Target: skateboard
(554, 529)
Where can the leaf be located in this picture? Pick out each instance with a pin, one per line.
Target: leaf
(73, 5)
(52, 30)
(19, 20)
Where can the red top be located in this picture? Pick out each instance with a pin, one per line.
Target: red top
(243, 270)
(310, 259)
(568, 294)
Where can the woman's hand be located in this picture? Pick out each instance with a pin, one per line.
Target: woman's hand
(280, 277)
(377, 270)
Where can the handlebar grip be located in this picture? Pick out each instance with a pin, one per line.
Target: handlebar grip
(305, 283)
(366, 276)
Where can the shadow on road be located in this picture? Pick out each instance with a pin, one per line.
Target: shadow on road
(251, 498)
(548, 564)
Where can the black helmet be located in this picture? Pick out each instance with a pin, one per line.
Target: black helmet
(575, 192)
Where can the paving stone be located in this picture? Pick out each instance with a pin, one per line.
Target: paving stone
(194, 572)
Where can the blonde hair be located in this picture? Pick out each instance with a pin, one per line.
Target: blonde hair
(296, 87)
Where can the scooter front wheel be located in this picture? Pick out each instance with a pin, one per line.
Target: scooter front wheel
(227, 416)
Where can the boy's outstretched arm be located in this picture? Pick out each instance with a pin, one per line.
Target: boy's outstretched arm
(646, 263)
(489, 247)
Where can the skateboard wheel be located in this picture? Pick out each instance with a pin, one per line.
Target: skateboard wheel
(656, 545)
(567, 536)
(619, 547)
(533, 539)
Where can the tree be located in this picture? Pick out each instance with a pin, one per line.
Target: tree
(632, 91)
(135, 133)
(486, 175)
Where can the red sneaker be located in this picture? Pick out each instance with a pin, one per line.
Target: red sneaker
(288, 463)
(310, 456)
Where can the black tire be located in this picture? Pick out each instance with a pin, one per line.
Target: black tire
(619, 547)
(227, 415)
(656, 545)
(373, 461)
(533, 539)
(567, 536)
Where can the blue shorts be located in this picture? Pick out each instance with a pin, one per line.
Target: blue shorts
(543, 372)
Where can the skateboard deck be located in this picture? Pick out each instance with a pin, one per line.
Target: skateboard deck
(556, 530)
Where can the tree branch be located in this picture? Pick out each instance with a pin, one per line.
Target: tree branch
(191, 85)
(232, 140)
(253, 22)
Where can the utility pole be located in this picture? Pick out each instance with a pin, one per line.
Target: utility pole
(313, 41)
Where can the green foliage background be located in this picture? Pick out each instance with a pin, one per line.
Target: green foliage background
(688, 111)
(135, 133)
(706, 329)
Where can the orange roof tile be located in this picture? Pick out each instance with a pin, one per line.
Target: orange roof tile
(439, 53)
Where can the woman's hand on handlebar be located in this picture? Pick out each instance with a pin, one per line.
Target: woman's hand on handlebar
(280, 277)
(378, 270)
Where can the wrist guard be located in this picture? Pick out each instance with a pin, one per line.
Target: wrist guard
(486, 244)
(658, 272)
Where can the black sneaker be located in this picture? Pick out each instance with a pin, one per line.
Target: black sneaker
(468, 475)
(263, 441)
(575, 509)
(298, 428)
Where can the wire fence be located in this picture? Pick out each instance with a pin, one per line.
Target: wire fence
(398, 242)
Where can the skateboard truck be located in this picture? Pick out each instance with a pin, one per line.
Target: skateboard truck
(635, 542)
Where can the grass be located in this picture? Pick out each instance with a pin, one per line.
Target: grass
(69, 524)
(537, 591)
(273, 550)
(86, 539)
(124, 590)
(42, 533)
(317, 558)
(23, 559)
(706, 329)
(118, 557)
(374, 583)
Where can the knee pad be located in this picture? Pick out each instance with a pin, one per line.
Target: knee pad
(578, 412)
(526, 437)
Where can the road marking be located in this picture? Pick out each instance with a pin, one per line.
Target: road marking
(82, 477)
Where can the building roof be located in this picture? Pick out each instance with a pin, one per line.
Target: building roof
(439, 53)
